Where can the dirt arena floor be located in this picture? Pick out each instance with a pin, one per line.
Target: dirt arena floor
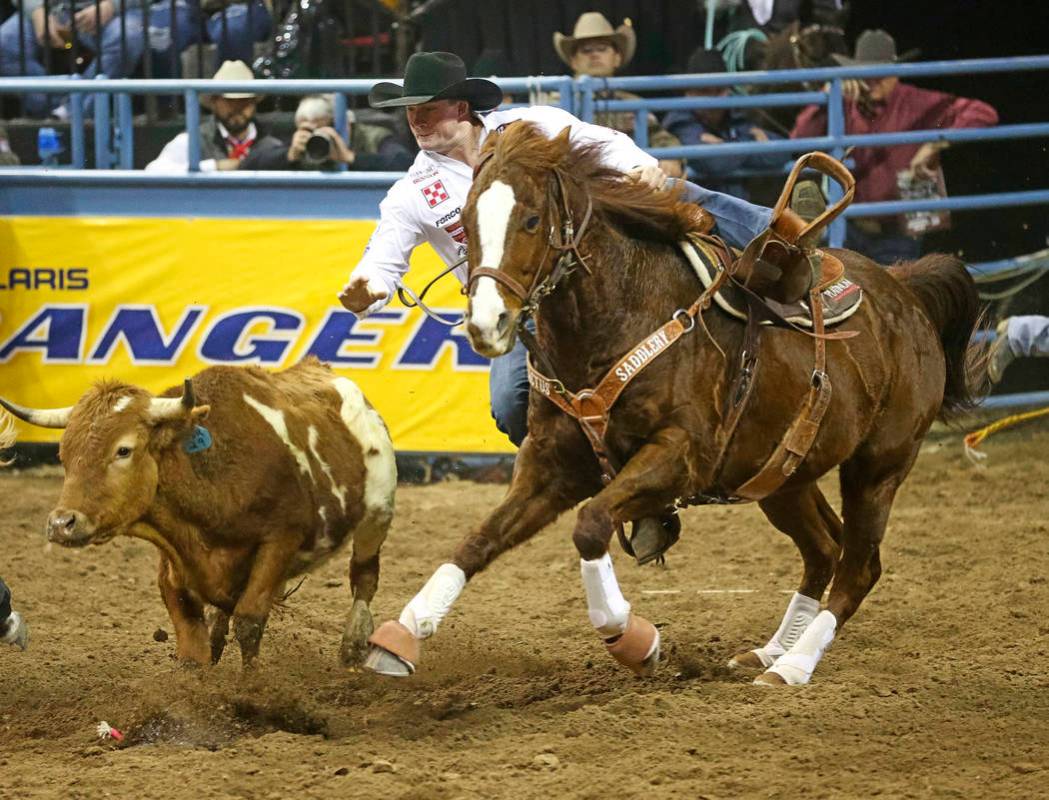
(938, 688)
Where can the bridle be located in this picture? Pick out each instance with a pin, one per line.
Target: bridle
(565, 241)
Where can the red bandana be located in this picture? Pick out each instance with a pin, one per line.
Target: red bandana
(239, 149)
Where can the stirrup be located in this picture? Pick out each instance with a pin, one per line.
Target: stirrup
(651, 537)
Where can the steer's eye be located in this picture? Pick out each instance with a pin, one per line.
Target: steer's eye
(124, 452)
(531, 223)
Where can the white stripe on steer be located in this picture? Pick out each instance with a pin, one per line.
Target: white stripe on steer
(338, 491)
(276, 421)
(494, 207)
(367, 427)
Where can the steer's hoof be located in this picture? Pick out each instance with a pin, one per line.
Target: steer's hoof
(769, 679)
(638, 647)
(394, 651)
(746, 661)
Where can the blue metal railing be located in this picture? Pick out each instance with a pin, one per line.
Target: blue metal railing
(104, 89)
(836, 142)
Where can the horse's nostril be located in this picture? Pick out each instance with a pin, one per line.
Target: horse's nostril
(502, 323)
(69, 522)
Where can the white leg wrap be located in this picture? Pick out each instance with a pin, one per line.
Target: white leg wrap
(609, 610)
(426, 610)
(797, 665)
(800, 612)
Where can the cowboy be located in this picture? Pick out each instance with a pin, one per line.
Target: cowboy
(1024, 336)
(228, 137)
(598, 50)
(443, 108)
(884, 105)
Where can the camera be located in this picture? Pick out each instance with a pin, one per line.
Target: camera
(319, 150)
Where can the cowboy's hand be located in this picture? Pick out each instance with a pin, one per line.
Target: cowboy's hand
(227, 164)
(87, 21)
(342, 152)
(54, 30)
(652, 177)
(15, 631)
(360, 294)
(709, 138)
(298, 143)
(927, 159)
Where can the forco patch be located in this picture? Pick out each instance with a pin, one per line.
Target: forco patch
(434, 193)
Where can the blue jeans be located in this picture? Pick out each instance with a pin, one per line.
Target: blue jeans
(737, 220)
(166, 63)
(737, 223)
(508, 385)
(107, 51)
(240, 32)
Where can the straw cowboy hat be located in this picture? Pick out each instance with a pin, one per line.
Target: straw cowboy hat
(231, 71)
(436, 76)
(593, 25)
(874, 47)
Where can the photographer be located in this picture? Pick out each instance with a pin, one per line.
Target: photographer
(316, 145)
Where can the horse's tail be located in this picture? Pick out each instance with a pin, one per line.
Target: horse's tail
(949, 297)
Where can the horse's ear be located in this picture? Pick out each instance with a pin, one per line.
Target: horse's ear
(563, 140)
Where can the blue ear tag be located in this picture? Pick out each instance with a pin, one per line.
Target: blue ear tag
(198, 440)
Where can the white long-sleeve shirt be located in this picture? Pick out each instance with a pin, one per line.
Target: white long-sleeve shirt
(426, 204)
(174, 158)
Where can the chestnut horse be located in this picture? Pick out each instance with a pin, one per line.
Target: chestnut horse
(905, 365)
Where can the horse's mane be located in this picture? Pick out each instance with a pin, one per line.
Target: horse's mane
(641, 212)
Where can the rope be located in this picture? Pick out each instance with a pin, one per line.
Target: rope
(734, 48)
(973, 440)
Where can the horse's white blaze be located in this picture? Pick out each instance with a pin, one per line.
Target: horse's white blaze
(275, 419)
(380, 468)
(494, 207)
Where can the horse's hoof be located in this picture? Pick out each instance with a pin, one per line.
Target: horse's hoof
(395, 650)
(746, 661)
(769, 679)
(383, 662)
(354, 647)
(651, 537)
(638, 647)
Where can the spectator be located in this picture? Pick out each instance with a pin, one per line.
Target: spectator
(884, 106)
(1017, 337)
(316, 144)
(715, 126)
(493, 63)
(598, 50)
(97, 30)
(13, 629)
(227, 137)
(234, 38)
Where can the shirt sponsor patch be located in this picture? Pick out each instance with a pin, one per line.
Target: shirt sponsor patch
(434, 193)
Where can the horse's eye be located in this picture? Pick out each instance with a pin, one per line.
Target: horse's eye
(531, 223)
(123, 452)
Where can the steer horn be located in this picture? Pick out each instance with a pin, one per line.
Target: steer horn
(41, 417)
(168, 408)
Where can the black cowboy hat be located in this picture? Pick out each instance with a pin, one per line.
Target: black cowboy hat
(436, 76)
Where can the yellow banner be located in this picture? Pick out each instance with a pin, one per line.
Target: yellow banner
(152, 301)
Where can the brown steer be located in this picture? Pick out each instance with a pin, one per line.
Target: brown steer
(244, 481)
